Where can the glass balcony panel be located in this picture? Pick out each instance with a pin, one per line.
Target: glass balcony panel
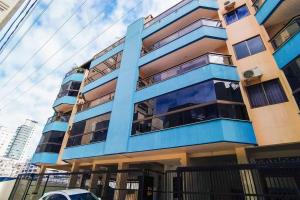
(57, 118)
(48, 147)
(190, 115)
(101, 53)
(96, 102)
(87, 138)
(167, 12)
(195, 25)
(185, 67)
(286, 33)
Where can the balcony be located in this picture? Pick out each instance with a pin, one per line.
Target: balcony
(202, 36)
(209, 58)
(178, 16)
(96, 102)
(44, 158)
(223, 131)
(286, 43)
(265, 8)
(57, 123)
(67, 96)
(111, 47)
(87, 138)
(76, 74)
(170, 38)
(167, 12)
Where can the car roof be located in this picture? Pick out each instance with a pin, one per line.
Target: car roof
(68, 192)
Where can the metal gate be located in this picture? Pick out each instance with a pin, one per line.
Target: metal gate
(280, 181)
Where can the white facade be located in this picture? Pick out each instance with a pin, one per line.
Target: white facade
(11, 167)
(24, 142)
(5, 139)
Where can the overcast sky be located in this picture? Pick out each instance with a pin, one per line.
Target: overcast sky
(22, 97)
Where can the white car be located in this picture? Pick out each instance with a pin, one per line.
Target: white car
(72, 194)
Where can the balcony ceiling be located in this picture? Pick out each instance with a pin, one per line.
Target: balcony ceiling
(64, 108)
(182, 55)
(286, 11)
(102, 90)
(179, 24)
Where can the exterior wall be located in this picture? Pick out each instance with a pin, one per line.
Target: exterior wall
(273, 124)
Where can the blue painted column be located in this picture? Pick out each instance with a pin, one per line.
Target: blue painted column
(123, 106)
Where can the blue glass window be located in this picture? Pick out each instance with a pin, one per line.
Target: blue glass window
(248, 47)
(192, 104)
(292, 73)
(237, 14)
(266, 93)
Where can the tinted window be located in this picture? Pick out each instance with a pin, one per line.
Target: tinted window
(248, 47)
(189, 105)
(57, 197)
(84, 196)
(292, 73)
(255, 45)
(237, 14)
(266, 93)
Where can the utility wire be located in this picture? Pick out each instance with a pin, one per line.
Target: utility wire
(73, 55)
(45, 43)
(27, 30)
(11, 25)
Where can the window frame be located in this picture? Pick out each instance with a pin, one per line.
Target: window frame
(235, 13)
(261, 85)
(246, 41)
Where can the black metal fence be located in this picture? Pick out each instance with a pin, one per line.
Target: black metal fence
(279, 181)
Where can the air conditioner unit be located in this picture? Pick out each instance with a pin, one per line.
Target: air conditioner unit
(229, 4)
(252, 73)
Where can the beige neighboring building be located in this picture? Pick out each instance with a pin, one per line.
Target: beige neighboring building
(7, 9)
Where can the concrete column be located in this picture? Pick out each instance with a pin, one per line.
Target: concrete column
(94, 180)
(246, 175)
(121, 181)
(73, 177)
(123, 105)
(185, 160)
(40, 179)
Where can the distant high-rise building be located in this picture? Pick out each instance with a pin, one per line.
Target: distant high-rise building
(21, 142)
(7, 9)
(5, 139)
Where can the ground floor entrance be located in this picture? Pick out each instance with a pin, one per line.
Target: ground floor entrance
(272, 181)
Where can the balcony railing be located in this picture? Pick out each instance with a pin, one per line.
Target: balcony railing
(257, 4)
(190, 115)
(64, 118)
(209, 58)
(48, 147)
(288, 31)
(96, 102)
(195, 25)
(88, 138)
(167, 12)
(70, 92)
(101, 53)
(100, 73)
(74, 71)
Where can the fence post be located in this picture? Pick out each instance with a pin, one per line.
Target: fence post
(13, 191)
(246, 175)
(121, 179)
(39, 180)
(45, 185)
(27, 187)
